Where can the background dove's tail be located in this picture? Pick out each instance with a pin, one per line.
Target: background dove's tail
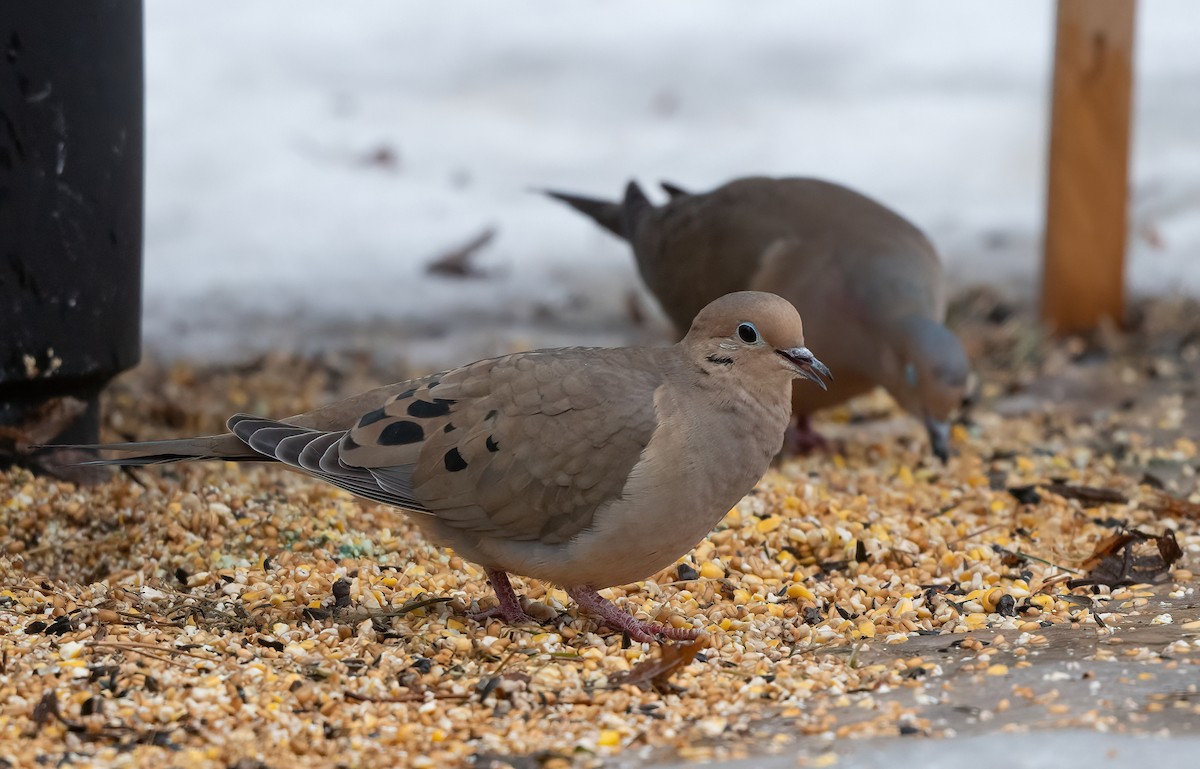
(608, 215)
(635, 206)
(673, 190)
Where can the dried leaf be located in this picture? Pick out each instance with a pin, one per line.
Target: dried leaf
(1116, 561)
(1167, 504)
(656, 672)
(459, 262)
(1168, 548)
(42, 425)
(26, 443)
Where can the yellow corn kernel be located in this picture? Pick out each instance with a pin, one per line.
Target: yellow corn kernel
(768, 524)
(800, 591)
(609, 738)
(1042, 600)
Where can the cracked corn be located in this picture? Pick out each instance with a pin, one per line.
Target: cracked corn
(191, 616)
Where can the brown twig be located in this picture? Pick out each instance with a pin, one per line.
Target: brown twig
(134, 646)
(414, 697)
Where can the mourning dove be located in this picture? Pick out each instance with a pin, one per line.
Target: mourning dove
(869, 283)
(584, 467)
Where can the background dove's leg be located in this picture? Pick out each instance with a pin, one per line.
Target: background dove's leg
(801, 438)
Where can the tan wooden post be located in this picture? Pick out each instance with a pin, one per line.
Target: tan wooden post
(1083, 265)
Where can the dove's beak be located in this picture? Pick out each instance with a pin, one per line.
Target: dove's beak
(939, 438)
(807, 365)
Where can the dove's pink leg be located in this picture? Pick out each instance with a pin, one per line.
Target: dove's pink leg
(642, 632)
(509, 608)
(801, 438)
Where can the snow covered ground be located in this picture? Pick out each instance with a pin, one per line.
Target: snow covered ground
(271, 220)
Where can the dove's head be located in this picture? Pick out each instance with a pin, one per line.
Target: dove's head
(758, 336)
(932, 373)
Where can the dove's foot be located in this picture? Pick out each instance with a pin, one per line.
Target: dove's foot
(801, 438)
(642, 632)
(508, 607)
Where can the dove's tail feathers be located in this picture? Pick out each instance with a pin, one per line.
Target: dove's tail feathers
(316, 453)
(238, 445)
(223, 447)
(673, 190)
(608, 215)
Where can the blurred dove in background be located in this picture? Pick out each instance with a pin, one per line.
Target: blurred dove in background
(584, 467)
(868, 283)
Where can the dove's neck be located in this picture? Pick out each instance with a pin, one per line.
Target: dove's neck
(736, 423)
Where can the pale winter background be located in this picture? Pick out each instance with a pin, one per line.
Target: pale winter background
(306, 160)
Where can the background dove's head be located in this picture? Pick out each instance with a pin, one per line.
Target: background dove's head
(932, 373)
(757, 335)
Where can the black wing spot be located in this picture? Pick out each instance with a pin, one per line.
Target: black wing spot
(440, 407)
(491, 415)
(449, 428)
(432, 383)
(454, 461)
(720, 360)
(410, 392)
(401, 433)
(491, 444)
(371, 417)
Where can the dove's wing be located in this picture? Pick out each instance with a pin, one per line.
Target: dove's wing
(523, 447)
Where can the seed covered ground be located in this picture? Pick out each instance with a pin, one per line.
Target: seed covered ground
(241, 615)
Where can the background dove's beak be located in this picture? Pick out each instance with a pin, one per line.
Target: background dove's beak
(939, 437)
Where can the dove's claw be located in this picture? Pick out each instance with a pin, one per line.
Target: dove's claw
(641, 632)
(509, 609)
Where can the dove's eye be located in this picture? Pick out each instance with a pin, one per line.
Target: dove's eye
(747, 333)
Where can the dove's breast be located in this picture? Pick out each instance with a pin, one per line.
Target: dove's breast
(697, 466)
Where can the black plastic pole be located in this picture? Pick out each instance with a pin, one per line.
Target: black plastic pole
(71, 136)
